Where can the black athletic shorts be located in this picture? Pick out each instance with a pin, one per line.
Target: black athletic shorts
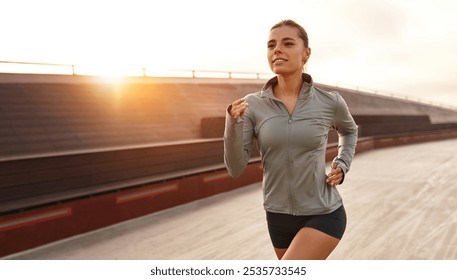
(284, 227)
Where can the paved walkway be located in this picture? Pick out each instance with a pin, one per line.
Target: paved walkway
(401, 204)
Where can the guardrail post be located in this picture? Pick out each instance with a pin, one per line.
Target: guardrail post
(193, 73)
(73, 69)
(144, 71)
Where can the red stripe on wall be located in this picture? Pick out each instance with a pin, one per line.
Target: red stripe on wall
(145, 193)
(35, 219)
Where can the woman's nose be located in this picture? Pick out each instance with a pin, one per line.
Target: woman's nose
(277, 49)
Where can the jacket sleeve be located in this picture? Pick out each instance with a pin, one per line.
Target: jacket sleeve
(347, 135)
(238, 136)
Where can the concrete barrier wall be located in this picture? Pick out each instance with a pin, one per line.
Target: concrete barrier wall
(61, 113)
(362, 103)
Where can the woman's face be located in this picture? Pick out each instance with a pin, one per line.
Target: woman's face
(286, 51)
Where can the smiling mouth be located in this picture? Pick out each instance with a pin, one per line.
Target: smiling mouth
(279, 60)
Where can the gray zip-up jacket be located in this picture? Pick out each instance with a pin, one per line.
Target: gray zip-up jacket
(292, 147)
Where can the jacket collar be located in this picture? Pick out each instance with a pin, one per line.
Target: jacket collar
(305, 91)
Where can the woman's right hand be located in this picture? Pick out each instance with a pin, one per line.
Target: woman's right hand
(238, 108)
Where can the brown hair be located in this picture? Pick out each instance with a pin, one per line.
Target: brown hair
(301, 31)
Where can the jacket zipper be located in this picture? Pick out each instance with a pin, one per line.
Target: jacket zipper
(289, 163)
(289, 183)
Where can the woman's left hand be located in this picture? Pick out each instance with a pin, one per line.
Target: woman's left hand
(335, 176)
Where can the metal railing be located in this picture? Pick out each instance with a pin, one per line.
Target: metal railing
(70, 66)
(72, 69)
(143, 71)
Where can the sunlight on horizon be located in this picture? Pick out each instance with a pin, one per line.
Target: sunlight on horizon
(386, 46)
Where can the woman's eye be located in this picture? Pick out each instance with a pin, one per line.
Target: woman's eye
(289, 44)
(271, 46)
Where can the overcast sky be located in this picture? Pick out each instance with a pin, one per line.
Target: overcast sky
(407, 47)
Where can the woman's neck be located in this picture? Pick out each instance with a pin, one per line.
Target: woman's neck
(289, 85)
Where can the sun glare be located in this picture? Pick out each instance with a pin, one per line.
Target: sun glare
(107, 70)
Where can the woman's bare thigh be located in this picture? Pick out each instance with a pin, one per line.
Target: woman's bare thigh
(309, 244)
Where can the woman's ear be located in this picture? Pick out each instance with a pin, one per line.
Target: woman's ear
(306, 55)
